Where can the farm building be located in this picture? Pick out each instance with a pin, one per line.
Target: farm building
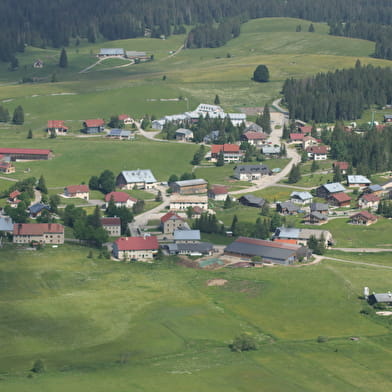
(186, 236)
(369, 200)
(302, 235)
(80, 191)
(301, 197)
(112, 226)
(340, 199)
(191, 249)
(189, 187)
(257, 139)
(251, 172)
(321, 208)
(6, 224)
(184, 135)
(120, 134)
(93, 126)
(287, 208)
(328, 189)
(252, 201)
(141, 179)
(358, 181)
(111, 52)
(43, 233)
(26, 154)
(315, 218)
(271, 151)
(135, 248)
(183, 202)
(380, 298)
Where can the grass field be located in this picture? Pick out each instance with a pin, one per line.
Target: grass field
(102, 325)
(381, 258)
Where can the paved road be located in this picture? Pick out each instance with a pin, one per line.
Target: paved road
(9, 179)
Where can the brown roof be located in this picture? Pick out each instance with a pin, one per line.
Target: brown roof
(14, 194)
(37, 228)
(341, 197)
(98, 122)
(217, 148)
(137, 243)
(272, 244)
(219, 190)
(170, 215)
(30, 151)
(111, 221)
(370, 197)
(317, 149)
(341, 165)
(56, 124)
(77, 188)
(123, 117)
(297, 136)
(306, 129)
(365, 214)
(252, 135)
(119, 197)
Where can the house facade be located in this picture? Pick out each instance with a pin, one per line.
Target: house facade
(57, 127)
(218, 192)
(42, 233)
(317, 153)
(363, 218)
(251, 172)
(189, 187)
(357, 181)
(184, 135)
(171, 222)
(231, 152)
(93, 126)
(120, 199)
(326, 190)
(7, 167)
(254, 138)
(315, 218)
(80, 191)
(141, 179)
(135, 248)
(339, 199)
(301, 197)
(252, 201)
(183, 202)
(369, 200)
(112, 226)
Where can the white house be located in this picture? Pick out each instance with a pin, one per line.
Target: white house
(141, 179)
(121, 199)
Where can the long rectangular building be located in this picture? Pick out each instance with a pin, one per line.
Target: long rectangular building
(43, 233)
(26, 154)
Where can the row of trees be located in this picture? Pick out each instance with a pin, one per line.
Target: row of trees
(17, 117)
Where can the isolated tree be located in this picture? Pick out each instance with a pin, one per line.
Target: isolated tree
(54, 201)
(94, 183)
(217, 100)
(41, 186)
(30, 134)
(14, 63)
(158, 197)
(294, 175)
(54, 78)
(4, 114)
(38, 366)
(298, 28)
(228, 202)
(243, 342)
(337, 174)
(63, 62)
(221, 159)
(18, 117)
(314, 167)
(261, 74)
(107, 181)
(311, 28)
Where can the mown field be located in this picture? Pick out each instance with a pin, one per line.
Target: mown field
(103, 325)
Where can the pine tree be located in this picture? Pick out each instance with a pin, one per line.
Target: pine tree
(261, 74)
(18, 117)
(41, 186)
(266, 120)
(311, 28)
(314, 167)
(30, 134)
(63, 62)
(221, 159)
(228, 203)
(295, 174)
(217, 100)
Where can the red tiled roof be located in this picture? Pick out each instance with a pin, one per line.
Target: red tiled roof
(297, 136)
(272, 244)
(306, 138)
(169, 215)
(370, 197)
(77, 188)
(111, 221)
(31, 151)
(1, 157)
(306, 129)
(94, 123)
(5, 165)
(37, 228)
(317, 149)
(137, 243)
(119, 197)
(56, 124)
(292, 242)
(341, 197)
(217, 148)
(252, 135)
(123, 117)
(341, 165)
(219, 190)
(14, 194)
(365, 214)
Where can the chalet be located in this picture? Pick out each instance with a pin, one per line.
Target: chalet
(317, 153)
(381, 298)
(111, 52)
(125, 119)
(271, 151)
(315, 218)
(140, 179)
(388, 118)
(37, 209)
(254, 138)
(309, 141)
(57, 127)
(42, 233)
(303, 235)
(375, 189)
(340, 199)
(212, 137)
(120, 199)
(13, 199)
(301, 197)
(363, 218)
(287, 208)
(6, 224)
(191, 249)
(135, 248)
(26, 154)
(218, 192)
(186, 236)
(7, 167)
(120, 134)
(297, 138)
(321, 208)
(326, 190)
(80, 191)
(112, 226)
(253, 128)
(343, 166)
(231, 152)
(184, 135)
(171, 222)
(183, 202)
(134, 55)
(305, 129)
(358, 181)
(93, 126)
(251, 172)
(189, 187)
(252, 201)
(268, 251)
(157, 124)
(369, 200)
(387, 186)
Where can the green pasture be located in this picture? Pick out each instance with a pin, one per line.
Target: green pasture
(381, 258)
(275, 193)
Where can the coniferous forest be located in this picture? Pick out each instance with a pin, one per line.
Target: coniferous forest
(339, 95)
(55, 23)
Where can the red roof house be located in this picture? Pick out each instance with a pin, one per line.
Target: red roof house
(343, 166)
(218, 192)
(231, 152)
(93, 126)
(306, 129)
(340, 199)
(47, 233)
(26, 153)
(363, 218)
(81, 191)
(317, 152)
(57, 126)
(254, 138)
(297, 137)
(135, 248)
(120, 199)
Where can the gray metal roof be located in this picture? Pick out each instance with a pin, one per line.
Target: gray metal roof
(287, 233)
(35, 208)
(111, 52)
(252, 169)
(382, 297)
(318, 215)
(319, 207)
(200, 247)
(197, 181)
(186, 235)
(253, 200)
(271, 150)
(134, 176)
(288, 205)
(358, 180)
(120, 132)
(254, 128)
(301, 195)
(6, 224)
(375, 188)
(334, 187)
(184, 131)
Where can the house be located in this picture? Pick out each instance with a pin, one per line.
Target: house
(317, 153)
(303, 235)
(287, 208)
(381, 298)
(326, 190)
(142, 56)
(184, 135)
(80, 191)
(358, 181)
(135, 248)
(321, 208)
(254, 138)
(37, 209)
(271, 151)
(26, 154)
(171, 222)
(343, 166)
(13, 198)
(191, 249)
(301, 197)
(120, 199)
(186, 236)
(38, 64)
(111, 52)
(140, 179)
(231, 152)
(386, 186)
(252, 201)
(268, 251)
(309, 141)
(158, 124)
(315, 218)
(218, 192)
(211, 137)
(7, 167)
(369, 200)
(387, 118)
(112, 226)
(57, 127)
(120, 134)
(42, 233)
(253, 128)
(340, 199)
(189, 187)
(251, 172)
(93, 126)
(305, 129)
(125, 119)
(297, 138)
(6, 224)
(183, 202)
(363, 218)
(375, 189)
